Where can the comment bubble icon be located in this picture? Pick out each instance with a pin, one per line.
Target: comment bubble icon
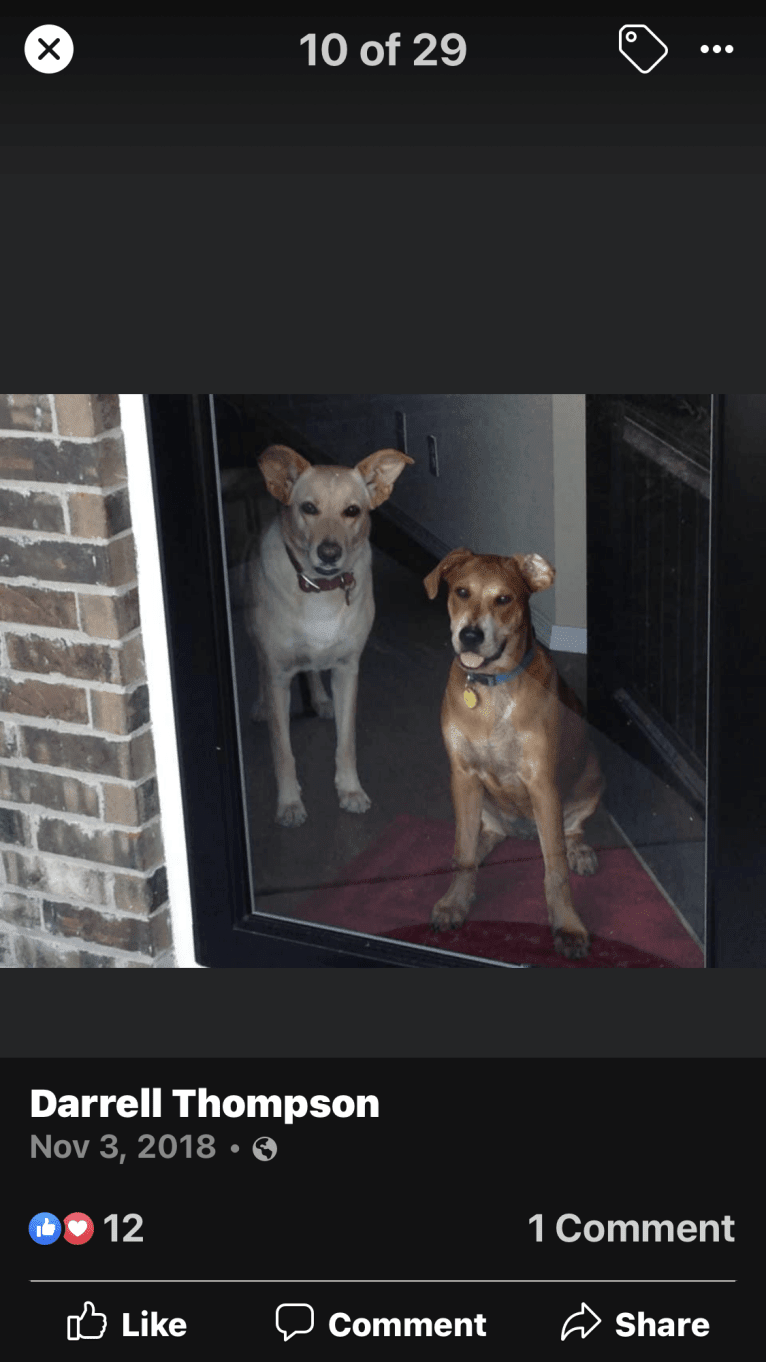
(294, 1319)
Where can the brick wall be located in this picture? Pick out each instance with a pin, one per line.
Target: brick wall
(83, 882)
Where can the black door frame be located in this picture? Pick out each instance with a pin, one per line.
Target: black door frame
(736, 868)
(182, 450)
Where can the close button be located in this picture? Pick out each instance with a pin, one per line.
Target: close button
(49, 49)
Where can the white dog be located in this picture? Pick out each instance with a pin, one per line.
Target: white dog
(310, 604)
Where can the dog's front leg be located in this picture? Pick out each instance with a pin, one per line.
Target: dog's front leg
(569, 935)
(290, 808)
(467, 798)
(344, 679)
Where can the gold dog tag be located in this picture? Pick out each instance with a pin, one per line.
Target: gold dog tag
(470, 697)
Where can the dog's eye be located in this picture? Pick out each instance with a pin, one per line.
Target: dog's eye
(351, 511)
(503, 600)
(462, 592)
(309, 508)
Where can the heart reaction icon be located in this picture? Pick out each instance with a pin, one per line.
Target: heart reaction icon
(78, 1228)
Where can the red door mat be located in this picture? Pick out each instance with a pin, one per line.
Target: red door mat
(390, 889)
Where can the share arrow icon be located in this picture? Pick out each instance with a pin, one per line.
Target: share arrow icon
(585, 1321)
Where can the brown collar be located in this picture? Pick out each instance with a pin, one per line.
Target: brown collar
(344, 581)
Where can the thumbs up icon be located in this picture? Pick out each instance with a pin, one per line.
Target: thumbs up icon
(90, 1324)
(45, 1228)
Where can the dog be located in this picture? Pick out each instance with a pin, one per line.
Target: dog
(310, 607)
(515, 736)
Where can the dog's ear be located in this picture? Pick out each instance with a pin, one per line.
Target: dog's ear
(454, 559)
(380, 472)
(281, 467)
(536, 570)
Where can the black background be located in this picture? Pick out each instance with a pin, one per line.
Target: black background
(231, 79)
(173, 226)
(353, 279)
(518, 1315)
(439, 1189)
(459, 1154)
(579, 233)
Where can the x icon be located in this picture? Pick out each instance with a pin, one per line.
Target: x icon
(48, 48)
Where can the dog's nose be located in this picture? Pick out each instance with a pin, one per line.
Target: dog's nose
(471, 636)
(329, 551)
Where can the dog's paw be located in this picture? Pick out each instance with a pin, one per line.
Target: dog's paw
(572, 945)
(354, 801)
(291, 815)
(446, 915)
(582, 859)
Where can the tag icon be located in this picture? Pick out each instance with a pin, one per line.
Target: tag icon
(642, 48)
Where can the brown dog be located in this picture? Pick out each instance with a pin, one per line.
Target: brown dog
(515, 737)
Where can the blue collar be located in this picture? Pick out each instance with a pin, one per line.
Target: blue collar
(501, 677)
